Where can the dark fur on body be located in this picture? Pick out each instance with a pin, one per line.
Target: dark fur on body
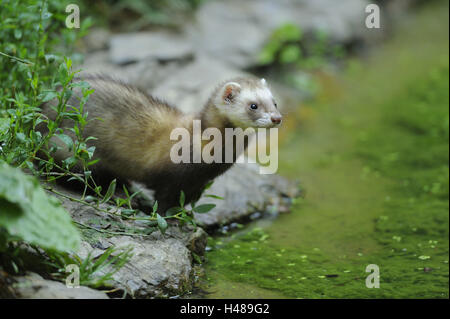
(133, 130)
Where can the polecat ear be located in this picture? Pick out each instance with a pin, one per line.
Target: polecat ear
(230, 91)
(263, 82)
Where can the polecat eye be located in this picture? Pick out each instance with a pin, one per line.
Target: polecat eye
(276, 105)
(253, 106)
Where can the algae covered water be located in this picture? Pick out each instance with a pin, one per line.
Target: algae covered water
(372, 156)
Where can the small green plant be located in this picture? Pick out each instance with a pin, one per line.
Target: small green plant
(33, 71)
(180, 213)
(186, 216)
(289, 45)
(94, 272)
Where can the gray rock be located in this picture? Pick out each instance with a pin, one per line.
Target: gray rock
(33, 286)
(229, 32)
(97, 39)
(157, 268)
(245, 191)
(189, 87)
(6, 286)
(148, 74)
(236, 31)
(161, 46)
(161, 265)
(98, 63)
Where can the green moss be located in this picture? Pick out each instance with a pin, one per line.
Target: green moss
(310, 273)
(373, 157)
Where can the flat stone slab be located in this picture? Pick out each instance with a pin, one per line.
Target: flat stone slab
(33, 286)
(160, 266)
(162, 46)
(236, 31)
(245, 191)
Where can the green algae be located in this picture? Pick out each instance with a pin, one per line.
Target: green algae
(372, 154)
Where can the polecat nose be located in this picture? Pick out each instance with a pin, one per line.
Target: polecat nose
(276, 119)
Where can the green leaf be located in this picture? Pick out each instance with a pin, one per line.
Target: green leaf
(213, 196)
(269, 52)
(68, 63)
(288, 33)
(81, 84)
(4, 125)
(208, 185)
(127, 212)
(27, 212)
(182, 199)
(47, 96)
(162, 224)
(63, 73)
(50, 58)
(290, 54)
(110, 192)
(204, 208)
(90, 199)
(173, 211)
(70, 161)
(18, 34)
(155, 207)
(21, 137)
(67, 140)
(91, 151)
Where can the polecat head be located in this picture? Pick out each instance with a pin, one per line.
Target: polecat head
(248, 102)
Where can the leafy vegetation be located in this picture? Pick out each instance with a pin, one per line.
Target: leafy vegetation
(94, 272)
(36, 66)
(29, 214)
(34, 63)
(288, 44)
(27, 71)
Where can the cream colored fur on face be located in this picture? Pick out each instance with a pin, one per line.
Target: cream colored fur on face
(237, 111)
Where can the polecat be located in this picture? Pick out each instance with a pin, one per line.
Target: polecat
(132, 131)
